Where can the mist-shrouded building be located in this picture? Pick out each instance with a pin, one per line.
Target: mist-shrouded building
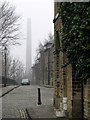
(0, 67)
(28, 48)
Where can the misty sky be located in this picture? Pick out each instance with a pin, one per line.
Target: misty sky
(41, 13)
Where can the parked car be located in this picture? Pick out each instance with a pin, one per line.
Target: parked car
(25, 82)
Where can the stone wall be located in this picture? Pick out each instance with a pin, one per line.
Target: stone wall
(69, 89)
(66, 86)
(87, 100)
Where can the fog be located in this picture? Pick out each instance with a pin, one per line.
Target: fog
(41, 13)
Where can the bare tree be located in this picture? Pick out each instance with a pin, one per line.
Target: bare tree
(49, 39)
(16, 70)
(8, 25)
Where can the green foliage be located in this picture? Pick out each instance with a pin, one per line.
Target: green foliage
(75, 40)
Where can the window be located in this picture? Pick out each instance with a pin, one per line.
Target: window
(57, 40)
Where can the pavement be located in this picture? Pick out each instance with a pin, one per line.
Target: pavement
(45, 109)
(41, 111)
(7, 89)
(44, 112)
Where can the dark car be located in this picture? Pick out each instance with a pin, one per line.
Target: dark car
(25, 82)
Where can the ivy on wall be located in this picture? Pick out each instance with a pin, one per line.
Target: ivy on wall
(76, 35)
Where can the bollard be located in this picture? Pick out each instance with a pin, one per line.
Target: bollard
(39, 97)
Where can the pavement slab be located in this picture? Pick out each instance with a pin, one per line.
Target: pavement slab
(7, 89)
(41, 111)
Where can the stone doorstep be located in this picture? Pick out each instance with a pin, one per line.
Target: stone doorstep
(59, 113)
(48, 86)
(41, 111)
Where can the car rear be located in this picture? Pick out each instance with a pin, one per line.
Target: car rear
(25, 82)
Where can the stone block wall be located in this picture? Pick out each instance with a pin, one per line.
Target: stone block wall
(87, 100)
(69, 90)
(66, 85)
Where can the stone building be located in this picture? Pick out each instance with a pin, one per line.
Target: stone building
(69, 91)
(33, 82)
(49, 64)
(36, 73)
(43, 70)
(0, 67)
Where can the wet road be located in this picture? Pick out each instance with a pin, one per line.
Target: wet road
(15, 103)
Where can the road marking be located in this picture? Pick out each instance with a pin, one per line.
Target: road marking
(19, 115)
(22, 115)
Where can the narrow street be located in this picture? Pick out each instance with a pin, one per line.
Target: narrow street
(15, 103)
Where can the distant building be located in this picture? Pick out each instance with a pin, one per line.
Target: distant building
(0, 67)
(48, 64)
(28, 48)
(43, 69)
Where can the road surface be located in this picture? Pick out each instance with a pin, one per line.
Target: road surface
(15, 103)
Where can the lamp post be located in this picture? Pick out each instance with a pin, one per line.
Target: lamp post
(5, 51)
